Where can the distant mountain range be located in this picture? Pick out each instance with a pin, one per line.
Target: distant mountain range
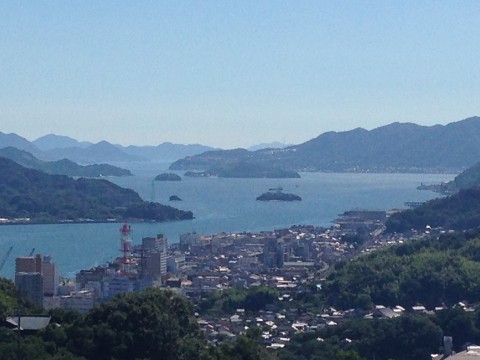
(18, 142)
(165, 151)
(61, 167)
(51, 142)
(398, 147)
(272, 145)
(55, 147)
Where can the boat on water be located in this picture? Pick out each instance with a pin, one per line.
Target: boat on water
(276, 189)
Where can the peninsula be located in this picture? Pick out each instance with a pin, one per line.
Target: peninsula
(61, 167)
(31, 196)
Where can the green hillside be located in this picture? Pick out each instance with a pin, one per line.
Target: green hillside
(459, 211)
(61, 167)
(28, 193)
(429, 272)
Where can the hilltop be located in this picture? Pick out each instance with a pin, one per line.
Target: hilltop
(398, 147)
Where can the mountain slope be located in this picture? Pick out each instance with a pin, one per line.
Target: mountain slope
(61, 167)
(166, 151)
(429, 272)
(403, 147)
(96, 153)
(52, 141)
(28, 193)
(460, 211)
(18, 142)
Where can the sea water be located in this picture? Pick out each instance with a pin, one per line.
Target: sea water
(218, 205)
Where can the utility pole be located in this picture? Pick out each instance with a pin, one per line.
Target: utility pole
(18, 313)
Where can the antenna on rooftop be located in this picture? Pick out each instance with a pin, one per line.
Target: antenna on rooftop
(126, 246)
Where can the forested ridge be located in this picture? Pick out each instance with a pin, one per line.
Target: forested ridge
(430, 272)
(460, 211)
(61, 167)
(397, 147)
(28, 193)
(435, 272)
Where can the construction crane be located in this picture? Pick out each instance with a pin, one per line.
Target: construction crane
(31, 252)
(4, 260)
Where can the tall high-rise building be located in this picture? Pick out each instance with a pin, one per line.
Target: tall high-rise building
(33, 271)
(273, 253)
(154, 259)
(28, 264)
(50, 276)
(158, 243)
(30, 286)
(186, 240)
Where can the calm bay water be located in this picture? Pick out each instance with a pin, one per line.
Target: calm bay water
(218, 205)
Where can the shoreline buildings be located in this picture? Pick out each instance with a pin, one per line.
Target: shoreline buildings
(199, 264)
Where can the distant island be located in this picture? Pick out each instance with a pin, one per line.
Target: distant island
(278, 196)
(61, 167)
(168, 177)
(174, 198)
(31, 196)
(246, 171)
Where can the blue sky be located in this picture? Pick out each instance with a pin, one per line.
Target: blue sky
(234, 73)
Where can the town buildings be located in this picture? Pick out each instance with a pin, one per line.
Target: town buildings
(283, 259)
(36, 277)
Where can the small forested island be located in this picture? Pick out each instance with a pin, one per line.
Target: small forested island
(32, 196)
(168, 177)
(174, 198)
(278, 196)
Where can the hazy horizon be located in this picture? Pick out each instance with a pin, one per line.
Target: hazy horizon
(233, 74)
